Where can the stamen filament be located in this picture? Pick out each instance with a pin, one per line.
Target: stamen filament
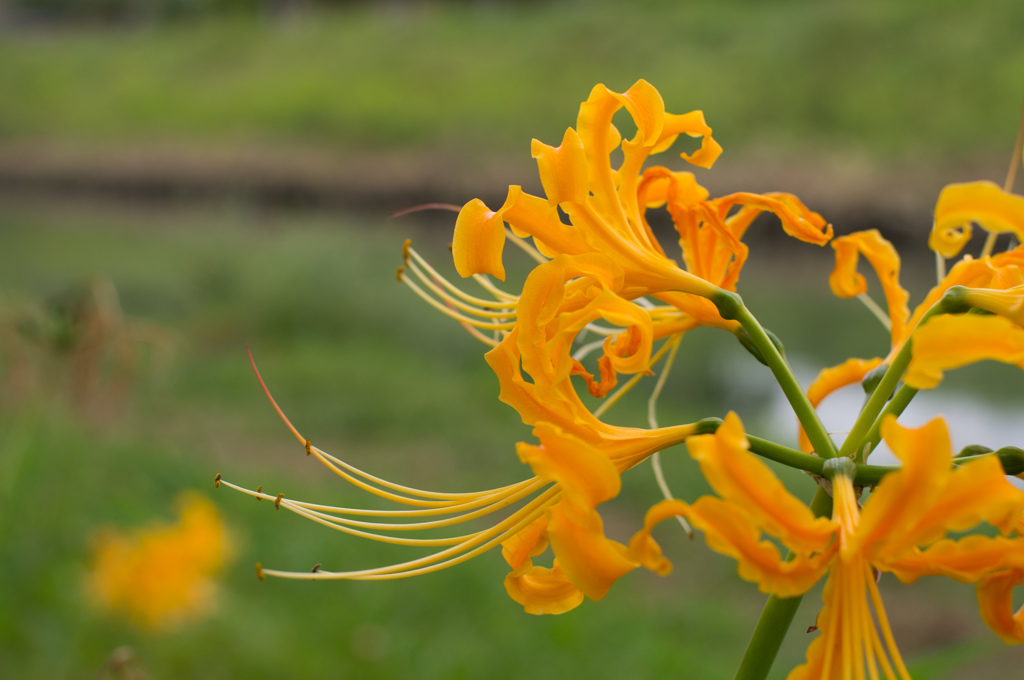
(501, 313)
(525, 246)
(652, 420)
(875, 309)
(448, 312)
(488, 538)
(455, 290)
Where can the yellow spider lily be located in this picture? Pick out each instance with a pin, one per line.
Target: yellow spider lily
(998, 272)
(607, 206)
(577, 464)
(901, 529)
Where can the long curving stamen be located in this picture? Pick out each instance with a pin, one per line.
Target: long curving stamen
(447, 311)
(494, 310)
(324, 457)
(875, 309)
(652, 420)
(502, 303)
(485, 282)
(525, 246)
(483, 541)
(495, 503)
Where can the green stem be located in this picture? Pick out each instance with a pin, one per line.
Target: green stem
(866, 475)
(951, 302)
(731, 306)
(776, 617)
(895, 408)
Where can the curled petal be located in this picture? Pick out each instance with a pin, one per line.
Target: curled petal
(995, 600)
(742, 480)
(563, 169)
(982, 202)
(730, 531)
(586, 475)
(967, 560)
(592, 561)
(903, 497)
(530, 215)
(541, 590)
(694, 125)
(846, 282)
(831, 379)
(974, 492)
(947, 342)
(645, 549)
(797, 220)
(478, 241)
(528, 542)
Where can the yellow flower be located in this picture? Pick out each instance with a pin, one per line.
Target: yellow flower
(161, 576)
(999, 273)
(901, 529)
(576, 466)
(607, 207)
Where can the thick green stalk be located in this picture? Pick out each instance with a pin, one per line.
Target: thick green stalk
(866, 475)
(899, 402)
(950, 303)
(776, 618)
(731, 306)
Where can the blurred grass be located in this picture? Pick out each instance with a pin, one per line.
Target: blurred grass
(374, 376)
(876, 77)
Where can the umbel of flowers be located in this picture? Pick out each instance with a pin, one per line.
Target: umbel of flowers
(603, 284)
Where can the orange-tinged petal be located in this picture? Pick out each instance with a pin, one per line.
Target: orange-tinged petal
(967, 560)
(563, 169)
(797, 219)
(975, 492)
(730, 531)
(592, 561)
(528, 542)
(586, 475)
(478, 241)
(694, 125)
(904, 496)
(982, 202)
(995, 600)
(947, 342)
(846, 282)
(541, 590)
(645, 549)
(831, 379)
(530, 215)
(744, 481)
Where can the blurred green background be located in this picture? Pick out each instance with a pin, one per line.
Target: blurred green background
(229, 166)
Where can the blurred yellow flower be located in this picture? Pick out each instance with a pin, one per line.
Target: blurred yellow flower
(161, 576)
(901, 529)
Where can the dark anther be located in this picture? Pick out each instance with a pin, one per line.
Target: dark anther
(308, 451)
(277, 503)
(811, 629)
(259, 572)
(216, 480)
(259, 489)
(315, 568)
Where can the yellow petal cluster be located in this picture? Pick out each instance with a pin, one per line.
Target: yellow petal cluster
(162, 576)
(902, 529)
